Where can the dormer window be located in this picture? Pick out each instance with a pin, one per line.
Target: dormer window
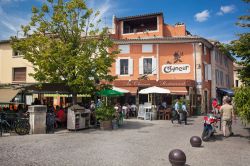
(140, 25)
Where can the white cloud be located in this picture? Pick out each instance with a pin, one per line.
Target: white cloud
(226, 9)
(202, 16)
(10, 24)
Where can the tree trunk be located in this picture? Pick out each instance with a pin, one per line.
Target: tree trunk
(74, 98)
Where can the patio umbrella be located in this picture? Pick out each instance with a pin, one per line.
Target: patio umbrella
(154, 90)
(109, 93)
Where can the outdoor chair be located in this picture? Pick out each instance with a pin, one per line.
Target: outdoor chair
(133, 110)
(141, 112)
(161, 114)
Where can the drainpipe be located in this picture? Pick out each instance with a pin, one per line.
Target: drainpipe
(195, 77)
(158, 62)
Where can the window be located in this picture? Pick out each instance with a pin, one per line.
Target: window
(204, 50)
(207, 68)
(227, 81)
(221, 78)
(125, 49)
(16, 53)
(217, 76)
(147, 48)
(147, 66)
(19, 74)
(216, 56)
(123, 66)
(237, 83)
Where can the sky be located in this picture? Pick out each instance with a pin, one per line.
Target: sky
(211, 19)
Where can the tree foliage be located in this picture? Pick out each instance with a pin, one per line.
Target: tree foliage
(240, 48)
(65, 45)
(242, 103)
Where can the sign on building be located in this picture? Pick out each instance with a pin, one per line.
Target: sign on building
(176, 68)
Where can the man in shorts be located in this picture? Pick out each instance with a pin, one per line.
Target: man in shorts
(227, 114)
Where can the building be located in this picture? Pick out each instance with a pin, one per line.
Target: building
(237, 81)
(157, 54)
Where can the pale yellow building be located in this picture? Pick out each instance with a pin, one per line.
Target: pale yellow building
(13, 68)
(237, 81)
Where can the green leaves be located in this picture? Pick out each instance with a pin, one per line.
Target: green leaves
(60, 48)
(242, 103)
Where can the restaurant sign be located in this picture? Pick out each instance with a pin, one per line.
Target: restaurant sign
(176, 68)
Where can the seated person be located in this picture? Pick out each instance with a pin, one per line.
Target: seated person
(60, 116)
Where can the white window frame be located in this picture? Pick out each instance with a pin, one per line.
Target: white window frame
(124, 49)
(130, 66)
(154, 65)
(147, 48)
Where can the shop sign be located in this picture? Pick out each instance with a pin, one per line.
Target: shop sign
(176, 68)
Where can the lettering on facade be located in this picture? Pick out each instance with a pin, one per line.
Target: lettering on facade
(176, 68)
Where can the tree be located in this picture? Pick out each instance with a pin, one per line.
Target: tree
(65, 45)
(240, 48)
(242, 103)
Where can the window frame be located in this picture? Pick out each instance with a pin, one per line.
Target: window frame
(14, 74)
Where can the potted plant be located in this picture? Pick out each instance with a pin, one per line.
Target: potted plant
(105, 115)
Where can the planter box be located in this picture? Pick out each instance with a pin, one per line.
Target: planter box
(106, 125)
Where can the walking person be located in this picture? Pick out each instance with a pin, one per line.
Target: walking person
(185, 112)
(177, 110)
(227, 114)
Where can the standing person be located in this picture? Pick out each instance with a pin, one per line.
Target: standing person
(185, 112)
(177, 111)
(92, 115)
(99, 103)
(227, 114)
(214, 106)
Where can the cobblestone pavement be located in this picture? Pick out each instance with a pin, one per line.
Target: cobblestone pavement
(137, 143)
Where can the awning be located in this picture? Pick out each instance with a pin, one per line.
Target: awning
(7, 94)
(120, 89)
(224, 91)
(132, 90)
(178, 90)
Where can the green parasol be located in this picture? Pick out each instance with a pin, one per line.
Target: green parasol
(109, 93)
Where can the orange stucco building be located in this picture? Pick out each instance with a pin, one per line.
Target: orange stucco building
(153, 53)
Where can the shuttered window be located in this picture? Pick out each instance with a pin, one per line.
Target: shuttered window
(19, 74)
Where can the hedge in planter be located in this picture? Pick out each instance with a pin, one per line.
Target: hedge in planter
(105, 115)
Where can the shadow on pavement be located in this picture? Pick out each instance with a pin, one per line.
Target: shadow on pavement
(135, 125)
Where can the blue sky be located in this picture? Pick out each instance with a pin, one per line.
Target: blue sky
(212, 19)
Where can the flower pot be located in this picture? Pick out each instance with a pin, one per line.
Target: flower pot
(106, 125)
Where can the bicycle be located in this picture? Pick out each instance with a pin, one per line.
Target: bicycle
(20, 125)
